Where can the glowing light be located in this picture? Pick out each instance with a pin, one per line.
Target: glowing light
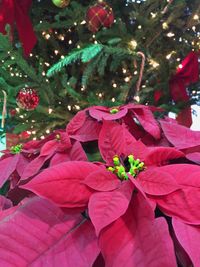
(196, 17)
(133, 44)
(127, 79)
(170, 34)
(50, 110)
(165, 26)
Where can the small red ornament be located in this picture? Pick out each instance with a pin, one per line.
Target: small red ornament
(27, 98)
(99, 15)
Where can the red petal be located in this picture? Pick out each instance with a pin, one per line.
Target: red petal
(76, 123)
(189, 238)
(106, 207)
(195, 157)
(156, 182)
(161, 155)
(21, 165)
(102, 180)
(113, 140)
(136, 239)
(83, 129)
(49, 148)
(34, 166)
(7, 167)
(63, 185)
(147, 120)
(4, 203)
(40, 234)
(182, 204)
(180, 136)
(72, 154)
(102, 113)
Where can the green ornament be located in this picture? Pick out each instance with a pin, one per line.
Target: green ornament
(61, 3)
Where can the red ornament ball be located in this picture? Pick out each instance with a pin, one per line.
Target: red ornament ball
(27, 98)
(99, 15)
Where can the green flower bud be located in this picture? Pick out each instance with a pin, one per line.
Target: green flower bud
(16, 149)
(114, 111)
(116, 161)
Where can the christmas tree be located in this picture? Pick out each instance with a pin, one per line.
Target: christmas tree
(89, 53)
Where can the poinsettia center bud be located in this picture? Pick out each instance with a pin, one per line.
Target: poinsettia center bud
(114, 111)
(16, 149)
(133, 168)
(135, 165)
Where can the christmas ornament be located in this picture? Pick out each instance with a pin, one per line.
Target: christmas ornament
(99, 15)
(27, 98)
(61, 3)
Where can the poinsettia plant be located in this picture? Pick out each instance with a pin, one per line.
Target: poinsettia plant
(116, 188)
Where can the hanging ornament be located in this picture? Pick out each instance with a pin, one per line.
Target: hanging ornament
(27, 98)
(61, 3)
(99, 15)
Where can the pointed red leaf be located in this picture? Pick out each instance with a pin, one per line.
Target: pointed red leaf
(180, 136)
(102, 180)
(49, 148)
(34, 166)
(182, 204)
(76, 152)
(106, 207)
(7, 167)
(63, 185)
(156, 182)
(103, 113)
(186, 175)
(40, 234)
(4, 203)
(76, 122)
(189, 238)
(21, 165)
(161, 155)
(83, 128)
(136, 239)
(195, 157)
(147, 120)
(114, 139)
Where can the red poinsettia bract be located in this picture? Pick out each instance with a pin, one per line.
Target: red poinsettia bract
(136, 206)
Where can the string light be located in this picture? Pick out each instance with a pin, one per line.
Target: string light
(153, 63)
(153, 15)
(133, 44)
(196, 17)
(114, 85)
(165, 26)
(50, 110)
(170, 34)
(127, 79)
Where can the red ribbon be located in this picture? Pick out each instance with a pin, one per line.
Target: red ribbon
(16, 12)
(187, 73)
